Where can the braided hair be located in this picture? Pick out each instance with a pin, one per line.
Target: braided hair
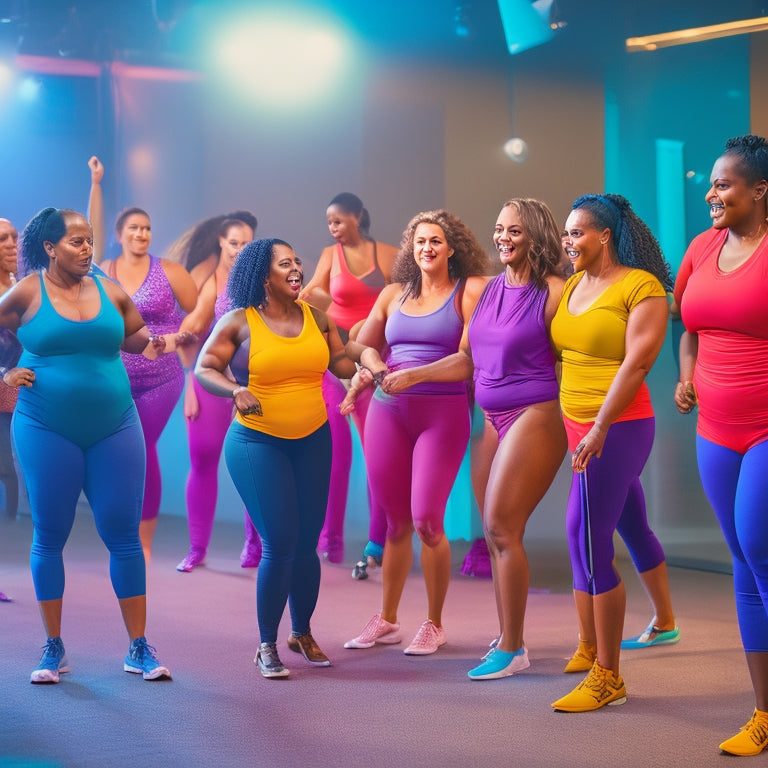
(245, 286)
(633, 241)
(47, 226)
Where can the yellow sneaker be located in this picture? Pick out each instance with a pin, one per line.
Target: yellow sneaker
(752, 739)
(599, 688)
(583, 659)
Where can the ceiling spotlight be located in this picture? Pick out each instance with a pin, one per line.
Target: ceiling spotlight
(516, 149)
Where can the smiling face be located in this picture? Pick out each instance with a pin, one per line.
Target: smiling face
(236, 238)
(136, 234)
(430, 248)
(583, 241)
(731, 198)
(343, 225)
(510, 238)
(9, 239)
(72, 255)
(286, 273)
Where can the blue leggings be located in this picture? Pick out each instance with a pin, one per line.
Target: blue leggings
(111, 473)
(736, 485)
(601, 498)
(284, 485)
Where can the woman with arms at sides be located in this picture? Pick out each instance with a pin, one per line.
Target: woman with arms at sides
(208, 417)
(163, 292)
(721, 289)
(417, 427)
(348, 278)
(607, 331)
(278, 449)
(76, 426)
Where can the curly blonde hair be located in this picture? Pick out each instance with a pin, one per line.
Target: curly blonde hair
(469, 257)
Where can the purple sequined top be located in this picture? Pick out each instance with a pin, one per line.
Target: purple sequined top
(161, 313)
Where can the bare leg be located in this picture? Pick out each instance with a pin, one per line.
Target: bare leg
(146, 534)
(757, 662)
(656, 584)
(524, 467)
(50, 612)
(609, 610)
(395, 567)
(586, 614)
(436, 567)
(134, 610)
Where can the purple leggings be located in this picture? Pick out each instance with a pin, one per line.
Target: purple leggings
(341, 437)
(155, 406)
(206, 436)
(414, 447)
(608, 496)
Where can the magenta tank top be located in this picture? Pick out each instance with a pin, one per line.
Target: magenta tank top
(514, 361)
(417, 340)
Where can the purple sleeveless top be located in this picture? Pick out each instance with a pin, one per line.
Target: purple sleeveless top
(514, 361)
(161, 313)
(238, 365)
(418, 340)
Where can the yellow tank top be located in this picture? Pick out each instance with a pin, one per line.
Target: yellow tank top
(285, 375)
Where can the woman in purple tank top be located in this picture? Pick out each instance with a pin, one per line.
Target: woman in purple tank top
(417, 428)
(516, 386)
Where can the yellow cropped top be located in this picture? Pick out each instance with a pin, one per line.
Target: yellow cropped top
(285, 375)
(591, 345)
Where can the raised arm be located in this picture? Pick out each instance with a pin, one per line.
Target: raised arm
(96, 210)
(317, 291)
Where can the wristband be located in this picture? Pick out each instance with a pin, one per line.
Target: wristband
(237, 390)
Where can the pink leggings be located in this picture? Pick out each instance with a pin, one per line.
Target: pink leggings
(206, 436)
(414, 447)
(155, 407)
(341, 437)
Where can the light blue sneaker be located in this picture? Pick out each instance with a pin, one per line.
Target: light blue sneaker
(500, 663)
(652, 636)
(52, 663)
(141, 659)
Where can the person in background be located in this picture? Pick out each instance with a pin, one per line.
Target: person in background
(278, 449)
(163, 292)
(417, 427)
(208, 417)
(607, 331)
(720, 290)
(349, 276)
(76, 427)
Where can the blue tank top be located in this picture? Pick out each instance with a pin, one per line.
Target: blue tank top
(81, 389)
(421, 339)
(514, 361)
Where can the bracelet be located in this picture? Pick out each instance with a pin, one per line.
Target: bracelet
(237, 390)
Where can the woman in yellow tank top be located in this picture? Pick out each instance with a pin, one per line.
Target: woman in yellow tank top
(278, 449)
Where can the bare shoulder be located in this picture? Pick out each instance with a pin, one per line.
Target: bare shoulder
(556, 284)
(320, 317)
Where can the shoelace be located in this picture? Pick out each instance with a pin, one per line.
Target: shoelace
(597, 684)
(269, 658)
(758, 729)
(142, 649)
(53, 651)
(425, 637)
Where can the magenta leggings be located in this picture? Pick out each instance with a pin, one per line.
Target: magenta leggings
(341, 437)
(414, 447)
(155, 407)
(206, 436)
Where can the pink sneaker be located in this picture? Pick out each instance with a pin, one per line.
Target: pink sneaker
(250, 557)
(376, 631)
(428, 639)
(191, 561)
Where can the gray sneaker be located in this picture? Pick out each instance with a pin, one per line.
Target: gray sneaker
(268, 661)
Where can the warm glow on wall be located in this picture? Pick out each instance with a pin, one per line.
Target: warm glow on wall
(697, 34)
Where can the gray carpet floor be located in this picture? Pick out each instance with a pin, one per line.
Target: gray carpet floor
(371, 708)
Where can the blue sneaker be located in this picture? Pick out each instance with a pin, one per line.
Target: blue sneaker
(652, 636)
(141, 660)
(500, 663)
(52, 663)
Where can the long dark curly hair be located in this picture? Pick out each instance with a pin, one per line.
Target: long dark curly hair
(544, 244)
(632, 240)
(468, 258)
(245, 285)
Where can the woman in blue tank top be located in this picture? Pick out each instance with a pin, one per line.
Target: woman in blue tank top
(417, 427)
(75, 426)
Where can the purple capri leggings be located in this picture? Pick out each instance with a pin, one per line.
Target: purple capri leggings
(414, 447)
(607, 495)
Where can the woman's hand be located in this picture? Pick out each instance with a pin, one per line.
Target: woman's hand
(19, 377)
(185, 339)
(591, 446)
(362, 379)
(685, 396)
(97, 170)
(397, 381)
(246, 402)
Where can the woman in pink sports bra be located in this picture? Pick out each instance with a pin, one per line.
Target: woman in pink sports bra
(349, 276)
